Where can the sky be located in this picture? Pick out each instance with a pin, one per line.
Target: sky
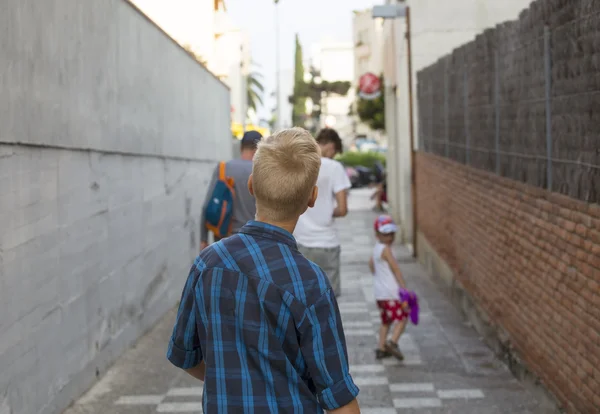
(313, 20)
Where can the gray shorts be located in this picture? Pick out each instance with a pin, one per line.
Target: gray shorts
(327, 259)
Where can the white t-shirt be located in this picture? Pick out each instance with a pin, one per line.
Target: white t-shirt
(385, 285)
(315, 227)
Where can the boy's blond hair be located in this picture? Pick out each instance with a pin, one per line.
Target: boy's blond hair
(284, 173)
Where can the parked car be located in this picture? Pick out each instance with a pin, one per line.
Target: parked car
(361, 176)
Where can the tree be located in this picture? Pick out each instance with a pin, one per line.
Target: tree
(372, 112)
(315, 89)
(299, 103)
(255, 90)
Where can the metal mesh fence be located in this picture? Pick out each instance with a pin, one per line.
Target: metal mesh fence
(523, 99)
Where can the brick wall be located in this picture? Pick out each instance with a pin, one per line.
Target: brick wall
(530, 260)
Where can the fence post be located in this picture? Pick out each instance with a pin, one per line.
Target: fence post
(497, 109)
(446, 111)
(432, 137)
(421, 116)
(548, 76)
(466, 109)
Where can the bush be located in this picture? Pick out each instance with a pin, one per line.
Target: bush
(364, 159)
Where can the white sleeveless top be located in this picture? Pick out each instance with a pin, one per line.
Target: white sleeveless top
(385, 284)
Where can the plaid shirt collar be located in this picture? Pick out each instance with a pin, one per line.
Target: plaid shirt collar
(268, 231)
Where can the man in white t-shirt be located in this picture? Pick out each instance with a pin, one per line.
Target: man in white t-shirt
(315, 233)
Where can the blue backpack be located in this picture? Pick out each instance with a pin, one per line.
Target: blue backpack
(219, 212)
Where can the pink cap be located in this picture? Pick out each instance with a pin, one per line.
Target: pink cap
(385, 225)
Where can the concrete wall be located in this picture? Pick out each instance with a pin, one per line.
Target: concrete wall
(108, 133)
(437, 28)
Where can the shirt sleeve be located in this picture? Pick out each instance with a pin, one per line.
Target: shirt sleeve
(323, 346)
(184, 348)
(211, 188)
(341, 182)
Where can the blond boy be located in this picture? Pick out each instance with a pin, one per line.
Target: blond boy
(258, 322)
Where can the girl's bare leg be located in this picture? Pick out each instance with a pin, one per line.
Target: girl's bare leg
(383, 334)
(399, 330)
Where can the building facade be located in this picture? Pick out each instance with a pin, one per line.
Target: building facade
(286, 83)
(437, 28)
(191, 23)
(204, 28)
(232, 63)
(335, 62)
(368, 58)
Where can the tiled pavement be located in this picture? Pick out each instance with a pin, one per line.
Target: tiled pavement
(447, 368)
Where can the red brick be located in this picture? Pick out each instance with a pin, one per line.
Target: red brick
(594, 210)
(581, 230)
(530, 260)
(567, 225)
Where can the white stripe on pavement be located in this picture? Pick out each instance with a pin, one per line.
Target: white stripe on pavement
(367, 368)
(370, 381)
(378, 411)
(358, 332)
(460, 394)
(357, 324)
(185, 392)
(356, 311)
(409, 361)
(140, 400)
(417, 402)
(352, 305)
(412, 387)
(187, 407)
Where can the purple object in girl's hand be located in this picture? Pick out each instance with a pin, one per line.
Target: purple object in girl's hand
(410, 297)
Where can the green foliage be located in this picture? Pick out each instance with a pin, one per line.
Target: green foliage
(372, 112)
(364, 159)
(272, 121)
(299, 102)
(313, 90)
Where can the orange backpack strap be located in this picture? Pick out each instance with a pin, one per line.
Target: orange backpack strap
(222, 176)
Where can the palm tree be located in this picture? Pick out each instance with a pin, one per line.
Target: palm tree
(255, 90)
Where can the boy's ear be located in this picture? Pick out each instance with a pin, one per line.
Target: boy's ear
(250, 187)
(313, 197)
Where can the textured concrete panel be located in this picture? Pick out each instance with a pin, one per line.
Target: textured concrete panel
(108, 134)
(106, 264)
(99, 75)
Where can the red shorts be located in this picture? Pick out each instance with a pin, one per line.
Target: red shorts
(384, 197)
(391, 311)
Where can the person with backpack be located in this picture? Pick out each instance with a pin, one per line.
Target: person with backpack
(228, 205)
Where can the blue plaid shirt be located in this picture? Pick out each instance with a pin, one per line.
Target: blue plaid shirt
(267, 325)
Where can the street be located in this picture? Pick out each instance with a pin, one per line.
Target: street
(447, 369)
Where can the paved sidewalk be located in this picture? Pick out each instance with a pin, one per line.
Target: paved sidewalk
(447, 368)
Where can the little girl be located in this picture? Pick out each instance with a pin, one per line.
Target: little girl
(387, 282)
